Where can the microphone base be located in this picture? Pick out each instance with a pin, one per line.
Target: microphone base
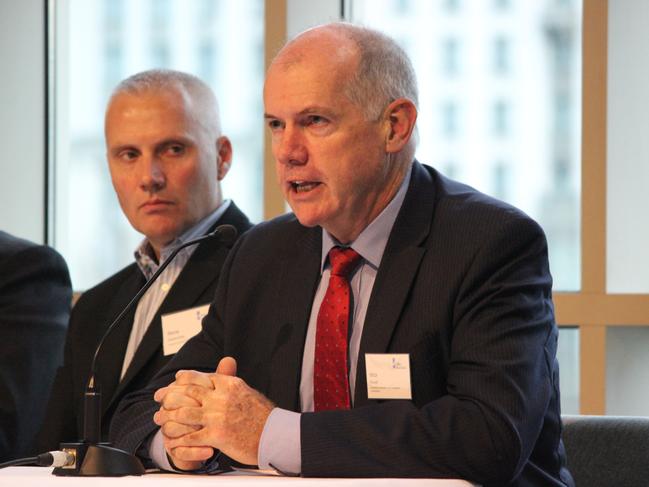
(99, 460)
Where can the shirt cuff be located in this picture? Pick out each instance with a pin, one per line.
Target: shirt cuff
(158, 454)
(279, 445)
(159, 457)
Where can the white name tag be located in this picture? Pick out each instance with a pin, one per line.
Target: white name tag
(180, 326)
(388, 375)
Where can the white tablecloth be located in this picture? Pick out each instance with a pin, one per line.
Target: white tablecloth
(42, 477)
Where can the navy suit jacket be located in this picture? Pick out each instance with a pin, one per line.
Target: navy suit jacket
(90, 318)
(35, 300)
(463, 287)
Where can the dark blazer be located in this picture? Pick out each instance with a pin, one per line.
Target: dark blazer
(35, 299)
(463, 287)
(90, 318)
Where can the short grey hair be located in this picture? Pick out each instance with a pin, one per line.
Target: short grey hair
(163, 80)
(384, 71)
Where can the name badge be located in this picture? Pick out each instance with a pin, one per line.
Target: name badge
(388, 375)
(180, 326)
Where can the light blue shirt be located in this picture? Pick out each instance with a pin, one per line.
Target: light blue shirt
(280, 445)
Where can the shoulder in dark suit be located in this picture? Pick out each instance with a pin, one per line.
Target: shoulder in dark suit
(90, 318)
(35, 298)
(464, 288)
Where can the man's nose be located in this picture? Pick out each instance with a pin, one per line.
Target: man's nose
(290, 147)
(152, 177)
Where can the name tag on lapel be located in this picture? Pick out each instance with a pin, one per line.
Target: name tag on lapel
(180, 326)
(388, 375)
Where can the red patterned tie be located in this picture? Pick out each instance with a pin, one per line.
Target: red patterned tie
(330, 379)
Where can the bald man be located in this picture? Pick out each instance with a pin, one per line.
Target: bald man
(166, 155)
(398, 324)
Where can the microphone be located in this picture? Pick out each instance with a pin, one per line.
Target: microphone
(92, 456)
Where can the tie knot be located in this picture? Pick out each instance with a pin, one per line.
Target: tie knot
(343, 261)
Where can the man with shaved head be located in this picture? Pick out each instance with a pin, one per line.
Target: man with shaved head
(397, 324)
(166, 155)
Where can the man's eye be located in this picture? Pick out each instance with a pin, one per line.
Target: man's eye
(274, 124)
(128, 155)
(316, 120)
(175, 149)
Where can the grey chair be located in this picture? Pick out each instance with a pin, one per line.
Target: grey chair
(607, 451)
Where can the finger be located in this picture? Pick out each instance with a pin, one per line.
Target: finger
(197, 393)
(173, 397)
(190, 454)
(176, 397)
(186, 415)
(171, 429)
(161, 417)
(198, 438)
(227, 366)
(160, 394)
(188, 377)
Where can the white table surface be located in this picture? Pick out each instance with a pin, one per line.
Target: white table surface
(42, 477)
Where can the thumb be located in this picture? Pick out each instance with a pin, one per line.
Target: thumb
(227, 366)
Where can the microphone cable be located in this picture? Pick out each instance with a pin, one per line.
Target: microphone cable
(56, 458)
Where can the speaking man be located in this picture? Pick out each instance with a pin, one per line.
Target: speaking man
(398, 324)
(166, 156)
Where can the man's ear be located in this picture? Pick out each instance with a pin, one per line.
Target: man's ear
(400, 117)
(224, 157)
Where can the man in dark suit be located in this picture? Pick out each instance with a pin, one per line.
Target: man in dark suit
(35, 299)
(399, 324)
(166, 156)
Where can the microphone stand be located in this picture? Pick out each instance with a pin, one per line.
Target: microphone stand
(94, 458)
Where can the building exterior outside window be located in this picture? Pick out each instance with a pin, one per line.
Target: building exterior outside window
(514, 68)
(98, 43)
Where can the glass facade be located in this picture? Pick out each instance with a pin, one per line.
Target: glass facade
(500, 109)
(96, 44)
(500, 97)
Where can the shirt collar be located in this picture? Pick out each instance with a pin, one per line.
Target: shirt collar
(145, 256)
(371, 242)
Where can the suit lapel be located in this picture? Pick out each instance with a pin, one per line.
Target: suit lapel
(184, 294)
(396, 274)
(295, 289)
(201, 270)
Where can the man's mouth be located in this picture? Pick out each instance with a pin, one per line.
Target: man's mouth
(304, 186)
(155, 203)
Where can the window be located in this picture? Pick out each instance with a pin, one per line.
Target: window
(401, 6)
(451, 5)
(501, 55)
(527, 115)
(501, 175)
(449, 119)
(100, 42)
(500, 118)
(520, 98)
(450, 169)
(450, 57)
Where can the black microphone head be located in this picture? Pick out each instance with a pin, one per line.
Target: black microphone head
(227, 234)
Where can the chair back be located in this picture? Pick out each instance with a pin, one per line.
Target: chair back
(607, 451)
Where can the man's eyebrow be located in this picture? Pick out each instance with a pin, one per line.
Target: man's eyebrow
(119, 148)
(314, 109)
(174, 140)
(306, 111)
